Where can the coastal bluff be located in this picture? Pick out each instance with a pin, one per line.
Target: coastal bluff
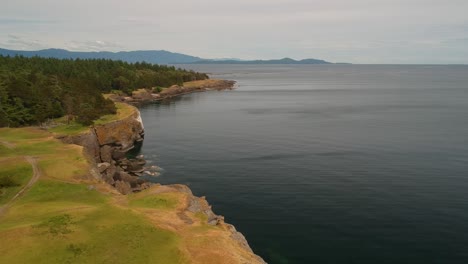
(106, 145)
(171, 207)
(144, 95)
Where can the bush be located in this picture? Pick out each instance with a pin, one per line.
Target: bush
(7, 181)
(57, 225)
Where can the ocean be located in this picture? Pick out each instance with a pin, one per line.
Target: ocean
(326, 163)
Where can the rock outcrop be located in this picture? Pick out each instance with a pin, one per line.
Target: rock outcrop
(122, 133)
(147, 95)
(196, 86)
(107, 145)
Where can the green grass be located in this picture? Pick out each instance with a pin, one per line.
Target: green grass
(13, 134)
(123, 111)
(36, 147)
(106, 235)
(74, 128)
(19, 171)
(27, 141)
(61, 220)
(46, 198)
(48, 191)
(159, 201)
(65, 166)
(4, 151)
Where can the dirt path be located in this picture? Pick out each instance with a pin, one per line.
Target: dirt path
(36, 175)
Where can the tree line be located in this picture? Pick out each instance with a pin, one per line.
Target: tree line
(34, 90)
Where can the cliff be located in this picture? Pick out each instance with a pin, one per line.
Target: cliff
(206, 238)
(62, 213)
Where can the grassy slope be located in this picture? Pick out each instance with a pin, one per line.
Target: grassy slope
(61, 219)
(70, 217)
(16, 168)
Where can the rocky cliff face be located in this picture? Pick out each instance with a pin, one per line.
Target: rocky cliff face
(122, 133)
(106, 145)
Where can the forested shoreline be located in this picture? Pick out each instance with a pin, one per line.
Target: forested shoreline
(34, 90)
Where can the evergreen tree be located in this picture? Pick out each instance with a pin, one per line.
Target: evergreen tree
(33, 90)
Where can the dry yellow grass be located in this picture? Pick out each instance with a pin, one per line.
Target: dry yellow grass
(203, 243)
(204, 83)
(123, 111)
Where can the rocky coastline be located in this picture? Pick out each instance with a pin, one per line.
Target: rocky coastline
(107, 145)
(161, 94)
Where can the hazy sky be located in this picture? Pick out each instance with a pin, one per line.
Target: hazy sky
(357, 31)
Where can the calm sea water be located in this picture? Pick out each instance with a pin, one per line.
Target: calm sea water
(327, 164)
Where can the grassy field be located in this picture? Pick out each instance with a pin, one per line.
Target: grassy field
(73, 128)
(163, 201)
(15, 170)
(68, 216)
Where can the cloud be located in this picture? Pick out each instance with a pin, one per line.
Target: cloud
(358, 31)
(22, 43)
(95, 45)
(12, 21)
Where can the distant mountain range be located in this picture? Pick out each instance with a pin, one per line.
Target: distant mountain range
(150, 56)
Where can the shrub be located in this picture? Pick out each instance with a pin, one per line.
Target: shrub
(7, 181)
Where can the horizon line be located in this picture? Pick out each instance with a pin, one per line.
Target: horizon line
(241, 60)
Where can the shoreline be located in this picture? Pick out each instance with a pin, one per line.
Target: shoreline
(107, 148)
(146, 95)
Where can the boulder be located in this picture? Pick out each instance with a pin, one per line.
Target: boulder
(141, 187)
(136, 165)
(215, 219)
(123, 176)
(108, 175)
(106, 153)
(123, 187)
(103, 166)
(118, 154)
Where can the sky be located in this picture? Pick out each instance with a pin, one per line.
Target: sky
(355, 31)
